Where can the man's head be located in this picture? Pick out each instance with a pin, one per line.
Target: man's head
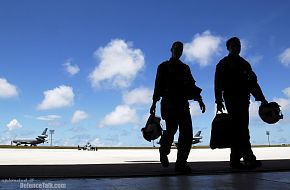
(176, 49)
(234, 45)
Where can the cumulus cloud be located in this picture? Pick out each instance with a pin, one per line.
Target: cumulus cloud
(70, 68)
(78, 116)
(284, 57)
(245, 46)
(58, 97)
(119, 64)
(13, 124)
(284, 102)
(7, 90)
(126, 113)
(6, 137)
(97, 142)
(194, 109)
(202, 48)
(255, 59)
(49, 117)
(254, 109)
(52, 120)
(286, 91)
(138, 96)
(123, 114)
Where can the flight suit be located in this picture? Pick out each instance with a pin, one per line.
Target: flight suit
(235, 81)
(175, 84)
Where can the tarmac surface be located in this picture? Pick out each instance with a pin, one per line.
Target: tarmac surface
(138, 169)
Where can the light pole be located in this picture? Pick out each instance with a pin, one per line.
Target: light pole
(51, 132)
(268, 134)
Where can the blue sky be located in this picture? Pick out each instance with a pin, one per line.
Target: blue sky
(87, 68)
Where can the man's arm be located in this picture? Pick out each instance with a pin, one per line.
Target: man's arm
(218, 90)
(196, 91)
(255, 88)
(157, 90)
(191, 90)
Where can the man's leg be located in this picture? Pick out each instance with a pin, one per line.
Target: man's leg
(184, 142)
(235, 158)
(167, 140)
(233, 108)
(237, 143)
(246, 149)
(241, 145)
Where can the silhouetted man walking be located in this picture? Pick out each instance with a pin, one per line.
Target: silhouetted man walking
(234, 82)
(175, 84)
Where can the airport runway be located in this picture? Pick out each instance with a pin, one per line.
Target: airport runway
(124, 162)
(140, 169)
(118, 156)
(123, 156)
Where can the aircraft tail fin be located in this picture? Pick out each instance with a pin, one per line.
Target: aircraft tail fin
(44, 132)
(197, 134)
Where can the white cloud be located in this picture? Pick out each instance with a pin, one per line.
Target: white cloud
(255, 59)
(284, 102)
(5, 139)
(97, 142)
(245, 46)
(78, 116)
(286, 91)
(13, 124)
(71, 69)
(119, 64)
(194, 109)
(202, 48)
(7, 90)
(49, 117)
(52, 120)
(254, 109)
(138, 96)
(284, 57)
(58, 97)
(123, 114)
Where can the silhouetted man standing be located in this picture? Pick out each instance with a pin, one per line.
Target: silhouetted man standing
(175, 84)
(234, 82)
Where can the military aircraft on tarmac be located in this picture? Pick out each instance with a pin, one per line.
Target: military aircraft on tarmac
(196, 139)
(88, 146)
(33, 142)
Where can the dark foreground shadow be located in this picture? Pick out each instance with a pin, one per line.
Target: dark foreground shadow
(132, 169)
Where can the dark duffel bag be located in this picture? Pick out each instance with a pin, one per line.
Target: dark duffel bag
(221, 135)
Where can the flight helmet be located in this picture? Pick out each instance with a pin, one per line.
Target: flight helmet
(152, 129)
(270, 112)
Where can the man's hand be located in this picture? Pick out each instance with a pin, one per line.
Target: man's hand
(220, 107)
(153, 109)
(202, 106)
(264, 102)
